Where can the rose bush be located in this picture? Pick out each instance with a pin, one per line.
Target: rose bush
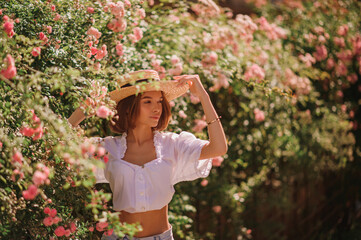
(56, 56)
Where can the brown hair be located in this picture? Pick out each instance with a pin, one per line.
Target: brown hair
(128, 111)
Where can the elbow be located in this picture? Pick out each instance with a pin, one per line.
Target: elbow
(222, 150)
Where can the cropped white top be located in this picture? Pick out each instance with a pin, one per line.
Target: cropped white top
(150, 187)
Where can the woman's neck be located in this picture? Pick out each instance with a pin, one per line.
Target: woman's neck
(140, 135)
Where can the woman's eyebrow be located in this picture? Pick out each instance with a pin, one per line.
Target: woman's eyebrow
(161, 98)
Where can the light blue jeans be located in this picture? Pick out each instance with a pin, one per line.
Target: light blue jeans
(167, 235)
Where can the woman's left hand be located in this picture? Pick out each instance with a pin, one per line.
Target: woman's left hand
(194, 82)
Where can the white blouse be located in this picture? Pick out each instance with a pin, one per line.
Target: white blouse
(150, 187)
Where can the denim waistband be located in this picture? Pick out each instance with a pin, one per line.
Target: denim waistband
(167, 235)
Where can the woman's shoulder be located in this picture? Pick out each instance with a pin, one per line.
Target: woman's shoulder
(173, 137)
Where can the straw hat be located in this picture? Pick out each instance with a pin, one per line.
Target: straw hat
(143, 81)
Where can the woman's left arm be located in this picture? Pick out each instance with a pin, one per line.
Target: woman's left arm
(217, 140)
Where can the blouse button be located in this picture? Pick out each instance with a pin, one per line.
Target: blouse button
(143, 208)
(141, 193)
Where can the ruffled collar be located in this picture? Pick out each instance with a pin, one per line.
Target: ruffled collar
(156, 142)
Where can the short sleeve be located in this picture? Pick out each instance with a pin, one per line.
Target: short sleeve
(187, 150)
(99, 172)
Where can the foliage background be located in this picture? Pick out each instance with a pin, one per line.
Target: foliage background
(291, 120)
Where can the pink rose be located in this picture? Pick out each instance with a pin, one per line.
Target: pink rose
(101, 151)
(141, 13)
(47, 210)
(330, 63)
(36, 51)
(53, 212)
(90, 10)
(119, 49)
(254, 72)
(321, 53)
(138, 33)
(9, 28)
(38, 133)
(31, 193)
(91, 229)
(117, 9)
(352, 78)
(59, 231)
(194, 99)
(177, 70)
(200, 125)
(339, 42)
(67, 232)
(259, 115)
(57, 17)
(342, 30)
(10, 71)
(204, 182)
(217, 209)
(52, 8)
(49, 29)
(100, 226)
(182, 114)
(103, 112)
(39, 178)
(48, 221)
(18, 157)
(93, 32)
(341, 69)
(72, 227)
(28, 132)
(174, 60)
(56, 220)
(217, 161)
(127, 3)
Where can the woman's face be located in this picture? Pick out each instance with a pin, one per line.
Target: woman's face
(150, 109)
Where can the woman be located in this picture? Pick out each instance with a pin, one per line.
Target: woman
(145, 163)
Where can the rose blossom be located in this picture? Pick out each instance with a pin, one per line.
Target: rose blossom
(103, 112)
(10, 71)
(217, 209)
(342, 30)
(93, 32)
(101, 225)
(200, 125)
(138, 33)
(182, 114)
(30, 193)
(177, 70)
(321, 53)
(119, 49)
(90, 10)
(48, 221)
(9, 28)
(141, 13)
(217, 161)
(204, 182)
(36, 51)
(39, 178)
(259, 115)
(254, 72)
(59, 231)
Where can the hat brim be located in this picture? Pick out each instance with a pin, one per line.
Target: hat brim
(170, 89)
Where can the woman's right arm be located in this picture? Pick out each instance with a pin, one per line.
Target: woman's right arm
(77, 117)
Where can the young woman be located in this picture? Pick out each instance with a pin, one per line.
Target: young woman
(144, 162)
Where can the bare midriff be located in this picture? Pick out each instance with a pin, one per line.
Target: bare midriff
(153, 222)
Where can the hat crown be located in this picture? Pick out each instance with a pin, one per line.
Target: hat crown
(139, 75)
